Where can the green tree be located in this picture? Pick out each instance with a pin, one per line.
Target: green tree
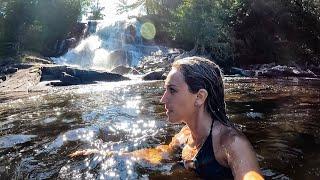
(37, 25)
(243, 31)
(16, 16)
(282, 31)
(205, 25)
(96, 11)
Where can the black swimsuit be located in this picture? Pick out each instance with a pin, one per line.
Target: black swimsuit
(206, 164)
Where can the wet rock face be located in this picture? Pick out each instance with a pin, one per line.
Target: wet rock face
(78, 32)
(155, 75)
(124, 70)
(73, 76)
(284, 71)
(13, 68)
(152, 63)
(270, 70)
(69, 79)
(155, 67)
(118, 58)
(37, 60)
(315, 70)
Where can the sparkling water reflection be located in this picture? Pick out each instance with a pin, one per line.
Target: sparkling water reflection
(280, 117)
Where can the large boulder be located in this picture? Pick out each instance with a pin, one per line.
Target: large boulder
(121, 70)
(68, 79)
(73, 76)
(154, 75)
(124, 70)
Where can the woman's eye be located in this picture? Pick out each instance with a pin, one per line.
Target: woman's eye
(172, 90)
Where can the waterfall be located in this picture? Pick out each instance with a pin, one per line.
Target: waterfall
(110, 44)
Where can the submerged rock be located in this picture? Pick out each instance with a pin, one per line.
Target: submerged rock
(11, 140)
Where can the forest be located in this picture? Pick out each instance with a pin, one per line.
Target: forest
(235, 32)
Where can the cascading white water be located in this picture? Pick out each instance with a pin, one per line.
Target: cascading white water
(117, 42)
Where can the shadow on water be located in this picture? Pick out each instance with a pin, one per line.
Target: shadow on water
(280, 117)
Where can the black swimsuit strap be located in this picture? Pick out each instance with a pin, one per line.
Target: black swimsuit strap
(211, 127)
(209, 138)
(206, 164)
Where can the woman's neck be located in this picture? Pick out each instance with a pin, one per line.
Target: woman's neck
(200, 127)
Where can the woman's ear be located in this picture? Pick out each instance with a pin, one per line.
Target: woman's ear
(202, 95)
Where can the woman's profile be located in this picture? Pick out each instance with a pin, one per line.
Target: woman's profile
(209, 143)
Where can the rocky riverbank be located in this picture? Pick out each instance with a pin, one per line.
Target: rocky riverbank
(157, 66)
(38, 74)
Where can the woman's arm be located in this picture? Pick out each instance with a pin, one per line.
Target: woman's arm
(177, 140)
(241, 158)
(152, 155)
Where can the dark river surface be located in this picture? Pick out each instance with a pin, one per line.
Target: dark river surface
(279, 116)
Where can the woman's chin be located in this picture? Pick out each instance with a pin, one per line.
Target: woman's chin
(173, 120)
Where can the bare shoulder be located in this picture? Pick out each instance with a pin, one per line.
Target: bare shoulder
(234, 139)
(235, 144)
(239, 153)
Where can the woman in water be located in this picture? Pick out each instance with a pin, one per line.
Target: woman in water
(211, 145)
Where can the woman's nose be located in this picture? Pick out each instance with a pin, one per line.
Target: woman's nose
(163, 98)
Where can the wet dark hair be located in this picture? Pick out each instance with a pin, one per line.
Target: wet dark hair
(201, 73)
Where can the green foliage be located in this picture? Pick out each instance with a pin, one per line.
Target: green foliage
(231, 31)
(243, 31)
(36, 25)
(205, 24)
(278, 31)
(96, 11)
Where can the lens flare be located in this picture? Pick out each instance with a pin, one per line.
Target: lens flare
(148, 30)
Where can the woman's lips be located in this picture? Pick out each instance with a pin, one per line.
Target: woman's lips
(167, 110)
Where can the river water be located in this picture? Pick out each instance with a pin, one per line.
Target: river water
(279, 116)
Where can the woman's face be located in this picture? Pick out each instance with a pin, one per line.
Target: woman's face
(179, 101)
